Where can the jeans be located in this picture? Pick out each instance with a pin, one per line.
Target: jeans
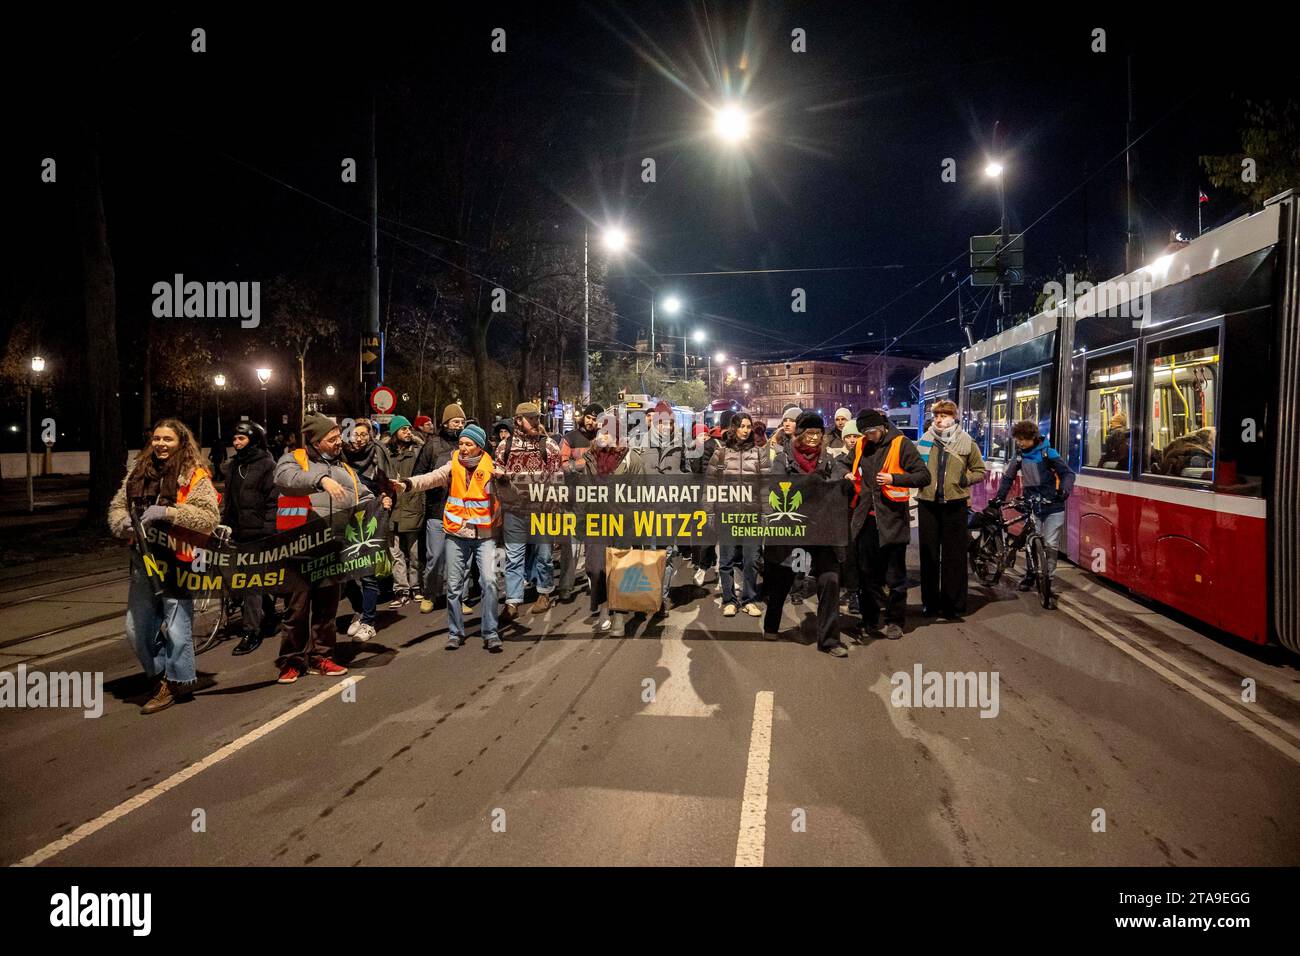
(1051, 526)
(743, 558)
(435, 557)
(525, 561)
(169, 652)
(367, 590)
(405, 549)
(460, 554)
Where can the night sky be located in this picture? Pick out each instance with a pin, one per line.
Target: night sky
(202, 154)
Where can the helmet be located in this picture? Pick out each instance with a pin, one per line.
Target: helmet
(255, 432)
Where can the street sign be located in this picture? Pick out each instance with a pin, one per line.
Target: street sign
(984, 252)
(383, 419)
(383, 399)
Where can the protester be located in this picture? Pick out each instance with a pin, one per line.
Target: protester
(368, 458)
(1044, 476)
(943, 511)
(167, 482)
(706, 556)
(835, 440)
(407, 523)
(437, 451)
(665, 454)
(249, 511)
(738, 455)
(527, 454)
(424, 425)
(470, 517)
(850, 577)
(605, 459)
(502, 430)
(314, 479)
(807, 455)
(572, 448)
(781, 437)
(887, 464)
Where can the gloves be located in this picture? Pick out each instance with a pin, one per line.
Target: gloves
(154, 513)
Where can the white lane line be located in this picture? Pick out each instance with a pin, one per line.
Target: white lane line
(176, 779)
(753, 809)
(1273, 740)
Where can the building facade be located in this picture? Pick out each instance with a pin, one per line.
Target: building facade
(823, 385)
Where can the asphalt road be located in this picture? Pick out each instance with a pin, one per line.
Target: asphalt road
(560, 750)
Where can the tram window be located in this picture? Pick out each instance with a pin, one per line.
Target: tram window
(976, 414)
(999, 425)
(1109, 412)
(1182, 386)
(1024, 392)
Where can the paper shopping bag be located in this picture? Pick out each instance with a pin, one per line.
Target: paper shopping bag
(635, 578)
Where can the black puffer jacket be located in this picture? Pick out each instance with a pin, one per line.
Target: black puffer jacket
(437, 451)
(250, 499)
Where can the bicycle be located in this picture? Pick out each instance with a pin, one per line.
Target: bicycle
(998, 540)
(212, 612)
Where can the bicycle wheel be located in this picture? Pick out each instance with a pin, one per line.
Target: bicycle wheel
(988, 557)
(1038, 558)
(209, 615)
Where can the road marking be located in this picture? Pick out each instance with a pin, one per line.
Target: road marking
(1273, 740)
(753, 809)
(176, 779)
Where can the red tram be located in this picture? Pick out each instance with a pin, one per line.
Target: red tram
(1171, 392)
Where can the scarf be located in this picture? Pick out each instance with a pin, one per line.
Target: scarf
(805, 458)
(361, 461)
(470, 463)
(955, 440)
(157, 482)
(607, 458)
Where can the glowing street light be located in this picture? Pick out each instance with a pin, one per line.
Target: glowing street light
(699, 336)
(219, 380)
(264, 376)
(672, 305)
(993, 169)
(719, 357)
(614, 239)
(329, 391)
(731, 124)
(38, 366)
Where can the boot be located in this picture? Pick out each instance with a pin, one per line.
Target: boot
(161, 700)
(543, 604)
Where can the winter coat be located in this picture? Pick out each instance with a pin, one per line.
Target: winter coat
(437, 451)
(408, 510)
(893, 518)
(1043, 474)
(829, 468)
(250, 502)
(744, 459)
(631, 464)
(292, 479)
(533, 459)
(200, 512)
(369, 474)
(574, 446)
(665, 455)
(954, 466)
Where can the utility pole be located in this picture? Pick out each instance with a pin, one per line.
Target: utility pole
(370, 346)
(586, 325)
(1132, 252)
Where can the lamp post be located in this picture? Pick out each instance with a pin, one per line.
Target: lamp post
(615, 240)
(718, 357)
(219, 380)
(264, 376)
(38, 366)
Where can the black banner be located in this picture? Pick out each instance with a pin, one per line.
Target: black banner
(683, 509)
(348, 544)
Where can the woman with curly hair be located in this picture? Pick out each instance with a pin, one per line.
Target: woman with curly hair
(167, 482)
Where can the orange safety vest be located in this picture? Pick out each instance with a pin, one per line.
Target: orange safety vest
(185, 554)
(292, 511)
(893, 463)
(468, 501)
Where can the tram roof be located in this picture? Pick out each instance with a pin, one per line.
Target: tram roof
(1233, 240)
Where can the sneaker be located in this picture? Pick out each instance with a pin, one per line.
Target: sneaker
(453, 643)
(855, 606)
(796, 598)
(543, 604)
(289, 673)
(324, 667)
(417, 596)
(1027, 583)
(729, 610)
(772, 635)
(604, 625)
(356, 623)
(619, 628)
(837, 650)
(365, 632)
(699, 576)
(564, 596)
(511, 612)
(467, 609)
(493, 644)
(399, 601)
(893, 632)
(753, 610)
(426, 605)
(247, 644)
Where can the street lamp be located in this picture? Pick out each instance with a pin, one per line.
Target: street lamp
(264, 376)
(38, 366)
(731, 124)
(672, 305)
(220, 381)
(699, 337)
(329, 391)
(615, 241)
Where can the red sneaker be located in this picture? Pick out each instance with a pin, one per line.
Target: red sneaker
(324, 667)
(289, 673)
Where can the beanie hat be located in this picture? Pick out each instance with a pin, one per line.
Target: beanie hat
(664, 407)
(452, 411)
(850, 428)
(398, 422)
(870, 418)
(475, 434)
(505, 423)
(423, 420)
(527, 408)
(316, 426)
(594, 410)
(791, 411)
(809, 420)
(848, 412)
